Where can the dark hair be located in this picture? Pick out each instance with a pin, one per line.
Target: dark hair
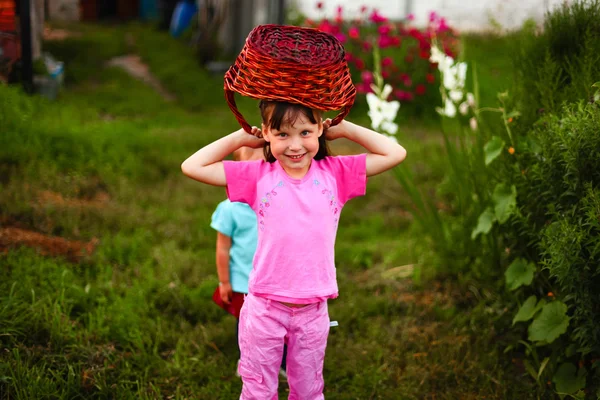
(276, 113)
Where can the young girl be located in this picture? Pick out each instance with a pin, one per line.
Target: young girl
(298, 194)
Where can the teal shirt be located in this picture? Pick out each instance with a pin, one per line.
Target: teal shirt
(238, 221)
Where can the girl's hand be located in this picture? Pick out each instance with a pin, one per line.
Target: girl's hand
(226, 292)
(254, 139)
(333, 132)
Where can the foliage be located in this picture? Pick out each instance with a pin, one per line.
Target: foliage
(560, 62)
(566, 177)
(529, 195)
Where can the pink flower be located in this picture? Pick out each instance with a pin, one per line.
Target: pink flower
(411, 17)
(420, 89)
(353, 32)
(385, 74)
(341, 37)
(384, 29)
(387, 61)
(424, 54)
(377, 18)
(363, 88)
(367, 77)
(443, 27)
(339, 10)
(433, 16)
(349, 57)
(424, 45)
(385, 41)
(327, 27)
(360, 64)
(367, 46)
(363, 9)
(430, 78)
(407, 81)
(319, 5)
(403, 95)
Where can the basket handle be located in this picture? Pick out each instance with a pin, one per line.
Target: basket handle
(230, 96)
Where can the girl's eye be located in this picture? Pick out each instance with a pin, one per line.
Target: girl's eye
(305, 133)
(282, 134)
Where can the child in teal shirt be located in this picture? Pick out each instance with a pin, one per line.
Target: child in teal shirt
(237, 235)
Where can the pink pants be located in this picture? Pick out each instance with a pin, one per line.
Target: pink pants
(264, 327)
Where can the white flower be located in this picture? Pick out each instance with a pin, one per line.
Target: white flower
(449, 109)
(385, 93)
(456, 95)
(463, 108)
(471, 99)
(381, 110)
(442, 60)
(389, 127)
(473, 123)
(455, 76)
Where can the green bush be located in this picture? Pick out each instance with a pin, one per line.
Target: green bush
(561, 63)
(564, 179)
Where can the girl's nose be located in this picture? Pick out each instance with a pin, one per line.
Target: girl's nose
(295, 144)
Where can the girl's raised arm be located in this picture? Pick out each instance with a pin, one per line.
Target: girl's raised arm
(206, 165)
(384, 152)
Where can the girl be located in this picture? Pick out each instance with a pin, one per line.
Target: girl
(298, 194)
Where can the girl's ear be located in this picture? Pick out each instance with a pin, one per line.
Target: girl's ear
(266, 132)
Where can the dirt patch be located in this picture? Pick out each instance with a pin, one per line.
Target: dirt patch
(53, 246)
(58, 34)
(100, 200)
(134, 66)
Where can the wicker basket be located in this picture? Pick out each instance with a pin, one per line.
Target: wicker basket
(291, 64)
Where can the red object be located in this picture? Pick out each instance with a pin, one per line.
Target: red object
(7, 16)
(292, 64)
(89, 10)
(234, 307)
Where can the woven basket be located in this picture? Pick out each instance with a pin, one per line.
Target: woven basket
(291, 64)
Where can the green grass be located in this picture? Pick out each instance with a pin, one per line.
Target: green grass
(135, 319)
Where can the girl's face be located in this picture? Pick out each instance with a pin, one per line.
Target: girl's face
(295, 143)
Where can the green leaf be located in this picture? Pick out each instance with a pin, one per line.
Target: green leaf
(550, 323)
(518, 273)
(493, 149)
(484, 223)
(542, 367)
(528, 309)
(568, 380)
(505, 201)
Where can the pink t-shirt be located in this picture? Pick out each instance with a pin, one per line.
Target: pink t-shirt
(297, 223)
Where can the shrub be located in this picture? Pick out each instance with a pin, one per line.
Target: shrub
(561, 63)
(564, 180)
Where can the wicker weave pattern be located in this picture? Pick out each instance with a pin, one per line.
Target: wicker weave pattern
(291, 64)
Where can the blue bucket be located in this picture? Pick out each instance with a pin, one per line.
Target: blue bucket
(182, 16)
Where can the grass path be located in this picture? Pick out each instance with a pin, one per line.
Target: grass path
(133, 318)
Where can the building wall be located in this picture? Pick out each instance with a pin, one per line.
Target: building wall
(465, 15)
